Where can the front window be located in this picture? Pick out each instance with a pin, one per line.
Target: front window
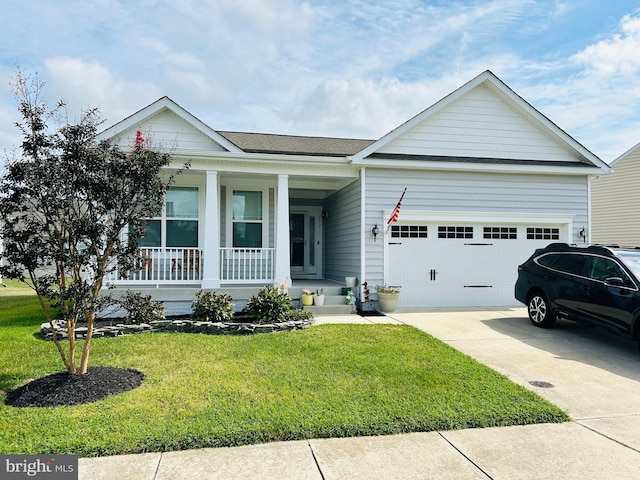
(182, 217)
(247, 218)
(178, 224)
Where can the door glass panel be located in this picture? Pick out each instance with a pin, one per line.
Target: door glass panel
(296, 233)
(312, 240)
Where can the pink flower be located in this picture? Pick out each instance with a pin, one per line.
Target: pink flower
(139, 139)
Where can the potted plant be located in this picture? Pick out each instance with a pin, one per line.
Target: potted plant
(319, 298)
(307, 297)
(388, 297)
(351, 298)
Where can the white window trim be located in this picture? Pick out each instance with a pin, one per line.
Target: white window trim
(256, 187)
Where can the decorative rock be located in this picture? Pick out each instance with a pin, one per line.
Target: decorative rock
(182, 325)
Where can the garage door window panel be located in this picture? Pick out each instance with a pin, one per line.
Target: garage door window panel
(500, 233)
(409, 231)
(455, 232)
(543, 233)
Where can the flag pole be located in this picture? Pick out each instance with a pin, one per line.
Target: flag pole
(396, 211)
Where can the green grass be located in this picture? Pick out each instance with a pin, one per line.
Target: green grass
(206, 391)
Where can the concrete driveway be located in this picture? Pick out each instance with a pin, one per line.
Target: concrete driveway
(591, 374)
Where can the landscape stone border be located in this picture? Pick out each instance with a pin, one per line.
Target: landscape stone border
(183, 325)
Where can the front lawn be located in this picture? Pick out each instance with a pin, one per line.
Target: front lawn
(210, 391)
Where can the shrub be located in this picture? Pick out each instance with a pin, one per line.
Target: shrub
(141, 309)
(269, 305)
(299, 314)
(212, 307)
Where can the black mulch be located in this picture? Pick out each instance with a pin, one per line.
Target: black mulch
(67, 389)
(371, 313)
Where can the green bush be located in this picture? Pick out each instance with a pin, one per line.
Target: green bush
(212, 307)
(141, 309)
(299, 314)
(269, 305)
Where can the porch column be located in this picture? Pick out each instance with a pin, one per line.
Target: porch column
(283, 261)
(211, 248)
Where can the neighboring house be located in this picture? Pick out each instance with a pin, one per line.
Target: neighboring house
(488, 179)
(615, 202)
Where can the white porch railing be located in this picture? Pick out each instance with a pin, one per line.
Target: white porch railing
(183, 266)
(164, 266)
(246, 265)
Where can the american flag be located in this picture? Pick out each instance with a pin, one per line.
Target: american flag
(396, 211)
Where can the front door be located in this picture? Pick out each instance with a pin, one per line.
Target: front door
(305, 233)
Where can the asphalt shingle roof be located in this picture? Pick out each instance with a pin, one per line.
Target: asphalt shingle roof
(295, 145)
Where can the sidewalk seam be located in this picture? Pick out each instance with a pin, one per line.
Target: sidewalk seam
(155, 474)
(606, 436)
(315, 459)
(465, 456)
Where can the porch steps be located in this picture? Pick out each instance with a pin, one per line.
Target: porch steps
(333, 305)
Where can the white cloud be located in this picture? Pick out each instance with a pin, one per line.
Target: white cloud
(86, 85)
(614, 56)
(327, 67)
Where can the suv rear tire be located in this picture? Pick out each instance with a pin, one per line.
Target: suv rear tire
(539, 311)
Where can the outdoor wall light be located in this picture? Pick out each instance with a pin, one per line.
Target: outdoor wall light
(375, 231)
(583, 234)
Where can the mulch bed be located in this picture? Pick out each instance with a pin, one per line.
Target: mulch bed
(67, 389)
(99, 382)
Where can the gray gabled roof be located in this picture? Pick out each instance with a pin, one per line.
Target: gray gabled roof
(295, 145)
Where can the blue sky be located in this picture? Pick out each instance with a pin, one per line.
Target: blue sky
(346, 68)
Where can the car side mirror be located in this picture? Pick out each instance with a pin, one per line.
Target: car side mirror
(614, 282)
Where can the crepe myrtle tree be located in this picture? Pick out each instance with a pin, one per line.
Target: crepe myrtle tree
(68, 200)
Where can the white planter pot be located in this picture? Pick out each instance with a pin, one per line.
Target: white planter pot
(350, 281)
(318, 300)
(388, 301)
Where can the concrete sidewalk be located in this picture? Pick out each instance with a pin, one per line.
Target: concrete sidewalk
(594, 376)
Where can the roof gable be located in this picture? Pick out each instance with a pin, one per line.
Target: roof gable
(633, 153)
(169, 125)
(483, 119)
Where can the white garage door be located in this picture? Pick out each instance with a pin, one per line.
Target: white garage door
(471, 265)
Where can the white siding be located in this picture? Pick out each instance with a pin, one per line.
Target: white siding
(492, 193)
(170, 132)
(615, 199)
(478, 124)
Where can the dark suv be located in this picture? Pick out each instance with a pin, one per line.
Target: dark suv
(598, 284)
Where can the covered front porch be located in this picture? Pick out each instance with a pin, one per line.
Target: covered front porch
(177, 298)
(220, 229)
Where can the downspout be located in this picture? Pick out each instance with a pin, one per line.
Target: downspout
(590, 179)
(363, 253)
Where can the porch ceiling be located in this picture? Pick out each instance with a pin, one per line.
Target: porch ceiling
(319, 183)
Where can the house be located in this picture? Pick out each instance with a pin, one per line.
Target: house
(488, 179)
(615, 200)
